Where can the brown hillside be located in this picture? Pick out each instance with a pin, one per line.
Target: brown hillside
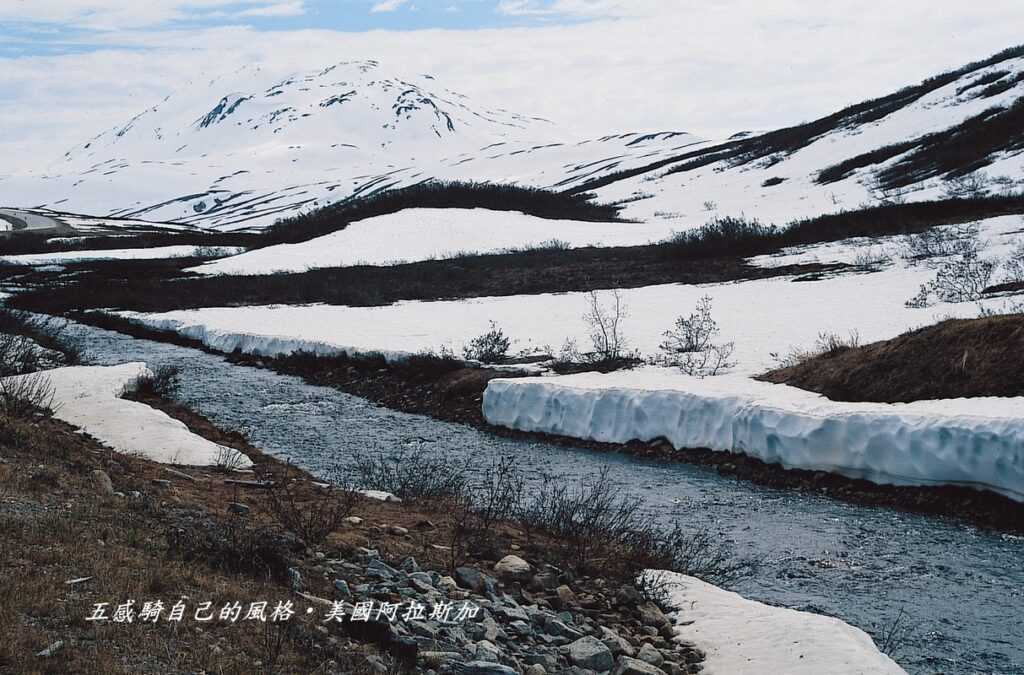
(952, 359)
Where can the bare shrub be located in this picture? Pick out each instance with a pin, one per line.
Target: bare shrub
(1013, 266)
(25, 396)
(925, 246)
(598, 529)
(962, 278)
(164, 381)
(971, 186)
(495, 496)
(306, 510)
(605, 326)
(872, 259)
(413, 476)
(690, 345)
(826, 344)
(884, 193)
(229, 459)
(491, 347)
(29, 342)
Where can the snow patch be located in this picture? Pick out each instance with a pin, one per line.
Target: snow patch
(744, 637)
(89, 397)
(159, 252)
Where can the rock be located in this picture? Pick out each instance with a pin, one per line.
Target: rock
(435, 659)
(239, 508)
(353, 520)
(650, 655)
(102, 481)
(398, 530)
(535, 669)
(470, 577)
(491, 629)
(512, 567)
(589, 652)
(380, 569)
(179, 474)
(630, 666)
(628, 595)
(410, 565)
(56, 646)
(615, 642)
(650, 615)
(485, 668)
(341, 587)
(566, 597)
(487, 651)
(294, 579)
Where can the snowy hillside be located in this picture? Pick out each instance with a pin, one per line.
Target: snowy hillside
(245, 149)
(900, 147)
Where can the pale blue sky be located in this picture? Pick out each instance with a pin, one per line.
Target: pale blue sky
(46, 27)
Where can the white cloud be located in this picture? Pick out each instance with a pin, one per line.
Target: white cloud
(294, 8)
(387, 6)
(709, 68)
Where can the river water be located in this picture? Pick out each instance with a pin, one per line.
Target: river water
(961, 590)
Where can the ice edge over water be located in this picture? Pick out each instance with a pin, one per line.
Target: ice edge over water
(977, 443)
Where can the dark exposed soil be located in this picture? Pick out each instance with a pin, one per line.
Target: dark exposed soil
(952, 359)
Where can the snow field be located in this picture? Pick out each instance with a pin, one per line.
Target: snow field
(421, 234)
(154, 253)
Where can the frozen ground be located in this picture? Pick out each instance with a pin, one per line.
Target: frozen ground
(88, 397)
(744, 637)
(155, 253)
(422, 234)
(976, 442)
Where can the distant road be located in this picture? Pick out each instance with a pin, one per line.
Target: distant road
(14, 220)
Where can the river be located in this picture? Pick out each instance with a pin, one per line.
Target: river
(961, 589)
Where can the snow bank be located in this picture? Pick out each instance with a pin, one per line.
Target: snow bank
(976, 442)
(154, 253)
(744, 637)
(88, 397)
(421, 234)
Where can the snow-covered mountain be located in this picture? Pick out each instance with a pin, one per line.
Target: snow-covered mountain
(911, 145)
(245, 149)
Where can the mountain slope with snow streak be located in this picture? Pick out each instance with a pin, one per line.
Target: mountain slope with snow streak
(248, 148)
(901, 146)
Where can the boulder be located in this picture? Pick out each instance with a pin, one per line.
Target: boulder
(651, 655)
(630, 666)
(513, 568)
(589, 652)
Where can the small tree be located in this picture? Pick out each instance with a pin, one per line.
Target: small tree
(491, 347)
(963, 278)
(604, 323)
(690, 345)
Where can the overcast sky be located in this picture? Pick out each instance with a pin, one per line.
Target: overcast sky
(71, 68)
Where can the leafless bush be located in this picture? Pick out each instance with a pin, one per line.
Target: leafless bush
(604, 323)
(229, 459)
(413, 476)
(164, 382)
(941, 242)
(885, 194)
(962, 278)
(494, 496)
(872, 259)
(598, 529)
(309, 512)
(972, 186)
(491, 347)
(826, 344)
(25, 396)
(30, 342)
(690, 345)
(1013, 266)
